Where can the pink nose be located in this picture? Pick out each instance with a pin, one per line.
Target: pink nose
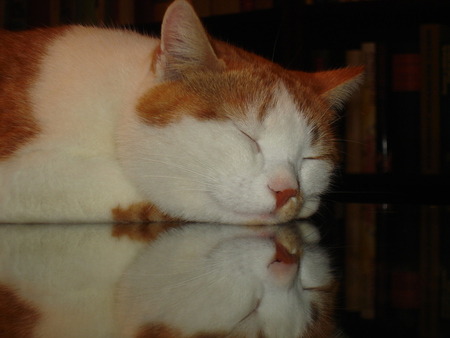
(283, 196)
(284, 265)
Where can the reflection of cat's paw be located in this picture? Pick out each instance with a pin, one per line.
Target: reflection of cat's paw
(310, 233)
(291, 239)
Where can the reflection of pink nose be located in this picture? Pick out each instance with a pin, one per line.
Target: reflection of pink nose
(283, 196)
(282, 255)
(284, 265)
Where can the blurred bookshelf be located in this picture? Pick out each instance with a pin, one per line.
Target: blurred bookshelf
(387, 215)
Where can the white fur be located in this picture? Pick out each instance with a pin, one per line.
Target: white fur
(70, 171)
(198, 278)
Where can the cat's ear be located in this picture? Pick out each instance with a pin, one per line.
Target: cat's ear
(336, 86)
(185, 45)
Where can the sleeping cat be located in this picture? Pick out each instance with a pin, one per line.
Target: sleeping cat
(164, 280)
(103, 124)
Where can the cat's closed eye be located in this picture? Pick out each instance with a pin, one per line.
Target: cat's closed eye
(318, 157)
(255, 145)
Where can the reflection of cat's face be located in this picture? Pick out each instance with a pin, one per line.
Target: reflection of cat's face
(229, 281)
(224, 153)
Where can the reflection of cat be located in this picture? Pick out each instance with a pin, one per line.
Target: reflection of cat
(103, 124)
(164, 280)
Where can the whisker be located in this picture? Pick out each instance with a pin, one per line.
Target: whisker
(275, 45)
(198, 291)
(191, 157)
(187, 154)
(171, 287)
(180, 167)
(150, 274)
(180, 178)
(204, 190)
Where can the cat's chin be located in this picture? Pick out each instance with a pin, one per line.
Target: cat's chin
(293, 210)
(308, 208)
(290, 212)
(287, 213)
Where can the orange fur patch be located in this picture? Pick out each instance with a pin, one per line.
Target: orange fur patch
(157, 331)
(140, 212)
(18, 318)
(323, 324)
(168, 102)
(163, 331)
(145, 232)
(208, 94)
(21, 53)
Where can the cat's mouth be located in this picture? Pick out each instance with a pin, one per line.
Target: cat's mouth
(288, 212)
(274, 214)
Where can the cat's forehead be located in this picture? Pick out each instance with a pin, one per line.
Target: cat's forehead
(240, 95)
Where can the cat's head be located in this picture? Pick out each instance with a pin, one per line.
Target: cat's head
(222, 135)
(229, 281)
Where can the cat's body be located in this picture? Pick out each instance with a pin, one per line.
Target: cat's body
(68, 169)
(161, 280)
(101, 124)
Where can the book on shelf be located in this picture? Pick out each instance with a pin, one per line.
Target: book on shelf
(445, 109)
(2, 13)
(353, 123)
(321, 2)
(369, 109)
(68, 12)
(22, 14)
(124, 12)
(361, 114)
(434, 40)
(89, 12)
(153, 11)
(43, 13)
(202, 7)
(404, 102)
(15, 15)
(383, 125)
(253, 5)
(221, 7)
